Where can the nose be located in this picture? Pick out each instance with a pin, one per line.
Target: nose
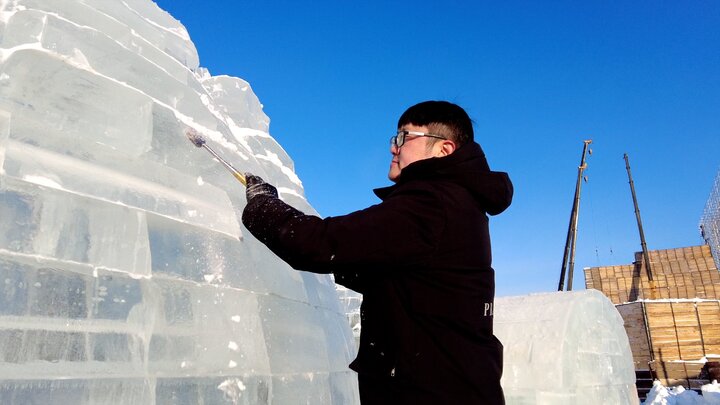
(394, 149)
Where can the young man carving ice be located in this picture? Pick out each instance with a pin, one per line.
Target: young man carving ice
(421, 258)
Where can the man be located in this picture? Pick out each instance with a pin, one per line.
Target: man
(421, 258)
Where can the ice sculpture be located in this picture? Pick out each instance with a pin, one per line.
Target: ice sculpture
(350, 302)
(124, 274)
(564, 348)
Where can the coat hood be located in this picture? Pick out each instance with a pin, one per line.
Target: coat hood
(467, 167)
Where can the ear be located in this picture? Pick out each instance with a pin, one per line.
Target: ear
(446, 147)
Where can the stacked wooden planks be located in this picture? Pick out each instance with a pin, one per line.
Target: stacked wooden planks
(674, 322)
(672, 336)
(688, 272)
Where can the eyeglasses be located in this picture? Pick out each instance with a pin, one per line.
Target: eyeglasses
(399, 139)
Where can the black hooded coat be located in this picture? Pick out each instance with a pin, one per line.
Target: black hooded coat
(422, 261)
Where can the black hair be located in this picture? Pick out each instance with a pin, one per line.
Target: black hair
(449, 119)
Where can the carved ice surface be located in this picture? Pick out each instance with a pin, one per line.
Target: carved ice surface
(351, 301)
(124, 274)
(564, 348)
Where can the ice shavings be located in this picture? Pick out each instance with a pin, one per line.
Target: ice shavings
(233, 389)
(207, 101)
(217, 137)
(42, 181)
(273, 158)
(40, 34)
(202, 74)
(289, 191)
(178, 31)
(79, 59)
(237, 133)
(241, 133)
(5, 53)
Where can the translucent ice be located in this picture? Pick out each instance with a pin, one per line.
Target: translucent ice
(125, 277)
(564, 348)
(351, 301)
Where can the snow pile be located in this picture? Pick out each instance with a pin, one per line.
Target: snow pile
(661, 395)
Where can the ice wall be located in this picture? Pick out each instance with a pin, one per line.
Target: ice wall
(125, 277)
(564, 348)
(350, 301)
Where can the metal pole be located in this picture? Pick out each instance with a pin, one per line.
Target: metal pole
(569, 252)
(566, 251)
(571, 264)
(646, 256)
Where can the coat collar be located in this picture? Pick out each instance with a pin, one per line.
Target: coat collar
(466, 166)
(434, 166)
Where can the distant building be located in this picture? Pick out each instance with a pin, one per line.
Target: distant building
(710, 222)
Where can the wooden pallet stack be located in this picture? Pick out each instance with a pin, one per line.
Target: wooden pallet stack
(670, 337)
(678, 273)
(673, 322)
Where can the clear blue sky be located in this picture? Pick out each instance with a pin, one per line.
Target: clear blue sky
(636, 77)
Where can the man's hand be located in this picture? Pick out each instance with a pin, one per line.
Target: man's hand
(256, 186)
(264, 213)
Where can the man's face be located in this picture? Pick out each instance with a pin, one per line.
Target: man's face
(414, 149)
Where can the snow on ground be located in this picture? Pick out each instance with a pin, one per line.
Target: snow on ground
(661, 395)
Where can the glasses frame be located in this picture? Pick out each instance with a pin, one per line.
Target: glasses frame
(402, 134)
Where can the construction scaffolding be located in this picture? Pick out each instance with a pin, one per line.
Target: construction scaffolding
(710, 222)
